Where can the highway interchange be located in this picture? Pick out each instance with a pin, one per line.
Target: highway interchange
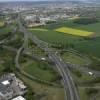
(69, 86)
(71, 92)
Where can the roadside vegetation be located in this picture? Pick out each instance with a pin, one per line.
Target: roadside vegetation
(6, 61)
(41, 91)
(41, 70)
(15, 40)
(87, 85)
(33, 49)
(86, 20)
(75, 58)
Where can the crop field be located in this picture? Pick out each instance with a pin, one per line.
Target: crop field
(74, 31)
(39, 29)
(73, 18)
(51, 36)
(1, 23)
(90, 47)
(95, 28)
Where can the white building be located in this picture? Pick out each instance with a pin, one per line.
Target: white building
(19, 98)
(10, 86)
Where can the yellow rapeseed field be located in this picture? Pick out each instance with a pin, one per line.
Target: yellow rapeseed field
(74, 31)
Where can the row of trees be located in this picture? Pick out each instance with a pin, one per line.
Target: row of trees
(86, 21)
(59, 45)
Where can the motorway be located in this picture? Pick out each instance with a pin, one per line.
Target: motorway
(68, 83)
(38, 58)
(69, 86)
(63, 68)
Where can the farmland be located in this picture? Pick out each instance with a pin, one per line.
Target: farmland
(74, 31)
(51, 36)
(90, 47)
(39, 29)
(69, 23)
(80, 44)
(1, 23)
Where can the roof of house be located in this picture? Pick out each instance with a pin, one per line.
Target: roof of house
(6, 82)
(19, 98)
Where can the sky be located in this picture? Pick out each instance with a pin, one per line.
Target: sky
(32, 0)
(26, 0)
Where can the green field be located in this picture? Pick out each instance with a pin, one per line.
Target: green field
(1, 23)
(73, 31)
(34, 49)
(6, 61)
(40, 70)
(84, 83)
(49, 92)
(74, 58)
(52, 37)
(84, 96)
(69, 23)
(39, 29)
(91, 46)
(5, 30)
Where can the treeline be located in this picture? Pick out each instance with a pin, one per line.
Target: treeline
(62, 45)
(86, 20)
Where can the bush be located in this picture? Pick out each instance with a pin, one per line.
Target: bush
(90, 91)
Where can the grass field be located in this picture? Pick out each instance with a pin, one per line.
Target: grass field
(6, 61)
(39, 29)
(75, 58)
(51, 93)
(40, 70)
(75, 17)
(85, 96)
(90, 47)
(82, 78)
(4, 30)
(72, 31)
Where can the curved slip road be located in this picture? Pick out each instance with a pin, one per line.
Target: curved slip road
(69, 86)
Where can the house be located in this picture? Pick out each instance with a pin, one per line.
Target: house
(19, 98)
(11, 86)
